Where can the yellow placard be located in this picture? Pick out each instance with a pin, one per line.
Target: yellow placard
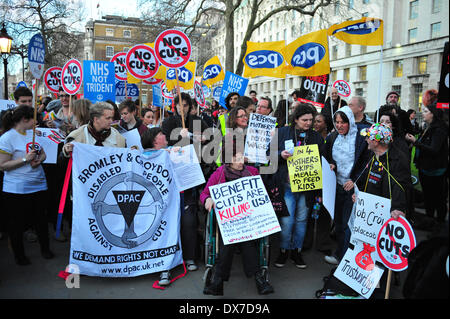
(305, 169)
(212, 72)
(308, 55)
(264, 59)
(365, 31)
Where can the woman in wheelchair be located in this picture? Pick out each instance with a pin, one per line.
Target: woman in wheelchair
(226, 173)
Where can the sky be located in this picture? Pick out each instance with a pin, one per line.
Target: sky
(126, 8)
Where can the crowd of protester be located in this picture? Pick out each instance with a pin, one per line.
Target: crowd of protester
(375, 153)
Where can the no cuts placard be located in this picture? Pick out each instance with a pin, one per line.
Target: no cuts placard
(141, 62)
(52, 78)
(72, 76)
(173, 48)
(120, 68)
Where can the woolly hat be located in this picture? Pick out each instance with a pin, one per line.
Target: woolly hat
(392, 92)
(378, 132)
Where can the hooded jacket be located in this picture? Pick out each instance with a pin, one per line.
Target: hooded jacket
(339, 150)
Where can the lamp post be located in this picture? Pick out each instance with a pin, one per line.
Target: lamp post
(5, 50)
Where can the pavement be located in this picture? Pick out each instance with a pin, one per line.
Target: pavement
(40, 280)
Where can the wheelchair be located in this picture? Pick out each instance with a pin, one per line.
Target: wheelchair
(211, 249)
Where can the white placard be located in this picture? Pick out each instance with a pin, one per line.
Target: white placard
(187, 170)
(243, 210)
(328, 187)
(259, 134)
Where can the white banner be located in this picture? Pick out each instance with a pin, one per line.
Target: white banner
(358, 269)
(370, 214)
(49, 139)
(259, 134)
(243, 210)
(126, 212)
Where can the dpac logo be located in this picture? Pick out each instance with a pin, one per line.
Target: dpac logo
(360, 28)
(308, 55)
(264, 59)
(184, 75)
(211, 71)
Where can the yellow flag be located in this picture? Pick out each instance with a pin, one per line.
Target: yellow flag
(265, 59)
(186, 76)
(365, 31)
(212, 72)
(308, 55)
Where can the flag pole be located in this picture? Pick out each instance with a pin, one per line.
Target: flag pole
(379, 83)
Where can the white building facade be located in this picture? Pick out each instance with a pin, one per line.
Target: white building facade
(415, 32)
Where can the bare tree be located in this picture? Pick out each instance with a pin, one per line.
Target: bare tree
(54, 19)
(204, 10)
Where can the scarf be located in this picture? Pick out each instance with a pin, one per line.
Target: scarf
(231, 174)
(99, 137)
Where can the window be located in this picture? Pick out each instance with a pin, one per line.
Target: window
(365, 1)
(302, 27)
(398, 69)
(109, 32)
(363, 73)
(292, 31)
(412, 35)
(436, 6)
(365, 14)
(417, 91)
(336, 7)
(125, 49)
(363, 49)
(422, 64)
(435, 30)
(127, 33)
(109, 52)
(347, 75)
(311, 23)
(413, 9)
(359, 92)
(348, 50)
(333, 76)
(334, 53)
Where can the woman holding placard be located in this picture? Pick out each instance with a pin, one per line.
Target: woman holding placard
(346, 151)
(293, 226)
(226, 173)
(24, 183)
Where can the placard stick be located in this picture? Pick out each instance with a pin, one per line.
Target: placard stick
(388, 284)
(179, 98)
(126, 91)
(140, 99)
(70, 108)
(35, 112)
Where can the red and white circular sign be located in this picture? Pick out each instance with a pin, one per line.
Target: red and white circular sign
(120, 67)
(72, 76)
(152, 81)
(141, 62)
(165, 92)
(343, 88)
(199, 96)
(395, 241)
(173, 48)
(52, 78)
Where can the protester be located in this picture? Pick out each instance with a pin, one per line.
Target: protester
(129, 121)
(320, 125)
(176, 134)
(358, 105)
(264, 106)
(247, 103)
(295, 95)
(253, 97)
(80, 110)
(98, 131)
(153, 140)
(280, 113)
(346, 152)
(24, 183)
(392, 99)
(331, 106)
(65, 114)
(412, 118)
(148, 117)
(431, 159)
(238, 119)
(231, 171)
(293, 227)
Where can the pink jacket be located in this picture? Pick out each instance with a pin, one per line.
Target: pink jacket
(218, 177)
